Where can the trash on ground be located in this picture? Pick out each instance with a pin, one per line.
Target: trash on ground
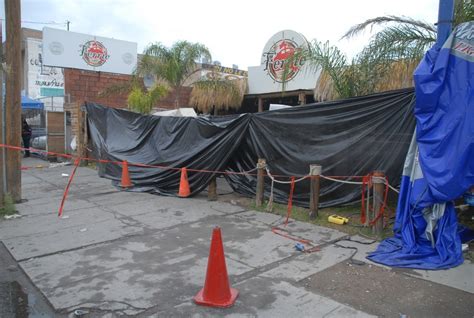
(299, 247)
(13, 216)
(336, 219)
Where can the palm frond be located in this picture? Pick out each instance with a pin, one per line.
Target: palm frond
(142, 101)
(370, 23)
(119, 88)
(463, 11)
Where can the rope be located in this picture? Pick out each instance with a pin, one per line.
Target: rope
(367, 183)
(285, 234)
(292, 181)
(392, 188)
(285, 182)
(66, 190)
(341, 181)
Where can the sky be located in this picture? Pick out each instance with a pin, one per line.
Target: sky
(234, 31)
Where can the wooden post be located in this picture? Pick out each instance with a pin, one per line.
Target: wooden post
(302, 98)
(260, 104)
(13, 97)
(315, 173)
(378, 180)
(212, 191)
(81, 131)
(3, 176)
(260, 182)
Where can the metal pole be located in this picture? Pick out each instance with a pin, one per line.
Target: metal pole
(445, 21)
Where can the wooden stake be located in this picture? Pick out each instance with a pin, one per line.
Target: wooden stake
(379, 188)
(302, 98)
(315, 173)
(260, 104)
(13, 97)
(260, 182)
(212, 191)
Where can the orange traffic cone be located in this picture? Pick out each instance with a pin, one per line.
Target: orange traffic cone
(184, 184)
(125, 176)
(217, 291)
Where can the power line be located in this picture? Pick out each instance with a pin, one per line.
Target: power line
(37, 22)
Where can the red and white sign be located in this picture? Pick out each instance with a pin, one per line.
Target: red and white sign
(88, 52)
(280, 54)
(94, 53)
(281, 50)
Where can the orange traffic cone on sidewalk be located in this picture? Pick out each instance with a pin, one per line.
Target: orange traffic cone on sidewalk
(184, 184)
(126, 183)
(217, 291)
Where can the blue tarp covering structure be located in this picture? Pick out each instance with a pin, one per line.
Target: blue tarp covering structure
(440, 162)
(28, 103)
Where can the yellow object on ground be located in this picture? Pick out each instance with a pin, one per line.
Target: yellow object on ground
(337, 219)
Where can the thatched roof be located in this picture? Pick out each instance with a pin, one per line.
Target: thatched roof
(223, 94)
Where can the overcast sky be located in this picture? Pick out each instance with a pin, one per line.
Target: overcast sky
(234, 31)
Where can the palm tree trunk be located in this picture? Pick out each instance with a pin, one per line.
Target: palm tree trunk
(176, 100)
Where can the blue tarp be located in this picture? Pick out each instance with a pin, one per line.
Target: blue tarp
(28, 103)
(440, 163)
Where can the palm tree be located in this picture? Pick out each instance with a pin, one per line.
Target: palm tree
(216, 93)
(172, 65)
(387, 62)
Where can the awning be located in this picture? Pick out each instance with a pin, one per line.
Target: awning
(29, 103)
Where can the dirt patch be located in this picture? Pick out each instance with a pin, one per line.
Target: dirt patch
(386, 293)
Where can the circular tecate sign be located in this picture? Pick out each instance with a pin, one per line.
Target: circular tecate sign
(94, 53)
(279, 54)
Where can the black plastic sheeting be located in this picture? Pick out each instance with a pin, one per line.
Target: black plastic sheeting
(351, 137)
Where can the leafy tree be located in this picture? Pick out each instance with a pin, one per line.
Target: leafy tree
(172, 65)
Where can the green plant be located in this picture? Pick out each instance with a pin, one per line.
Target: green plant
(142, 101)
(8, 205)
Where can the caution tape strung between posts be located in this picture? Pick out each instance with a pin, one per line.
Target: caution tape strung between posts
(292, 180)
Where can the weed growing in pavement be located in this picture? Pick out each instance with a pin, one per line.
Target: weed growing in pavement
(8, 206)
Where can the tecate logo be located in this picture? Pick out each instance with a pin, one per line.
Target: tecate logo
(94, 53)
(56, 48)
(280, 56)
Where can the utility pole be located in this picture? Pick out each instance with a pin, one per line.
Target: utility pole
(13, 97)
(68, 22)
(3, 179)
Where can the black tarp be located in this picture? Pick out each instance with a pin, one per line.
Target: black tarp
(351, 137)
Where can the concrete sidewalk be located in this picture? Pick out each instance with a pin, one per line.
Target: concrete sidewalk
(121, 253)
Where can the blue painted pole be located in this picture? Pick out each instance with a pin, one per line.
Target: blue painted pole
(445, 21)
